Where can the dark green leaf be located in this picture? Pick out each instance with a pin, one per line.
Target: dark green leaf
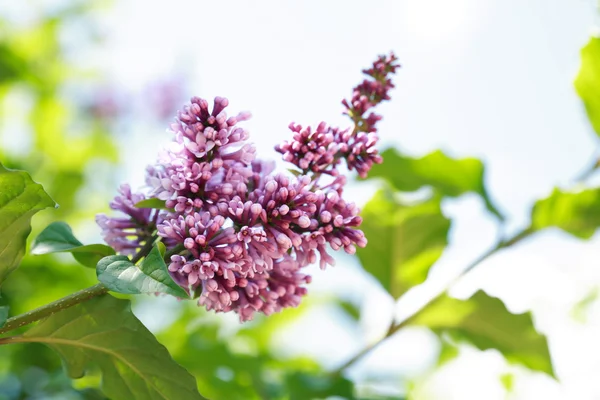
(3, 315)
(485, 322)
(20, 199)
(58, 237)
(404, 241)
(446, 176)
(587, 82)
(103, 331)
(120, 275)
(90, 254)
(152, 203)
(577, 213)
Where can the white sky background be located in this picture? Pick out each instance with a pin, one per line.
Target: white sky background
(491, 79)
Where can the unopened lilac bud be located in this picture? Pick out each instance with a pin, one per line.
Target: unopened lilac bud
(284, 209)
(350, 249)
(325, 216)
(304, 221)
(255, 209)
(284, 240)
(271, 186)
(212, 285)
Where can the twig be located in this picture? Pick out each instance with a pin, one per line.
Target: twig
(396, 326)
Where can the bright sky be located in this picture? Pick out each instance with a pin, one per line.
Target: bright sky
(489, 79)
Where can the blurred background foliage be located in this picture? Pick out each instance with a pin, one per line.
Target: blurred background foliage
(66, 140)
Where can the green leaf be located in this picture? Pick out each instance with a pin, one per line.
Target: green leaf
(448, 352)
(152, 203)
(103, 331)
(295, 172)
(404, 241)
(485, 322)
(575, 212)
(351, 309)
(20, 199)
(3, 315)
(581, 309)
(307, 386)
(58, 238)
(508, 381)
(587, 82)
(90, 254)
(446, 176)
(120, 275)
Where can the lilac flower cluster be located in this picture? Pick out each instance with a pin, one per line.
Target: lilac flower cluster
(127, 234)
(320, 150)
(239, 234)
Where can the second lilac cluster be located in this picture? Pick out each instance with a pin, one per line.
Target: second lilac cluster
(321, 150)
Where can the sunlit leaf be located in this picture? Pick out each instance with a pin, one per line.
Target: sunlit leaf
(120, 275)
(508, 381)
(58, 238)
(404, 241)
(577, 213)
(447, 176)
(104, 332)
(12, 67)
(580, 310)
(20, 199)
(485, 322)
(448, 352)
(587, 82)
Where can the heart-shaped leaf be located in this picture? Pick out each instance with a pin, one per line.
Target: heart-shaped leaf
(58, 237)
(485, 322)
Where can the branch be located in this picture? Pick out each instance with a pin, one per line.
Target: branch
(396, 326)
(68, 301)
(53, 308)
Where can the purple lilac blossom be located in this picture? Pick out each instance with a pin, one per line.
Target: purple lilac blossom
(320, 150)
(129, 233)
(238, 233)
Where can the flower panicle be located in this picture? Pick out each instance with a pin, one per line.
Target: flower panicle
(241, 234)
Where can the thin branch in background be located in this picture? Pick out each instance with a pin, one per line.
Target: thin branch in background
(396, 326)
